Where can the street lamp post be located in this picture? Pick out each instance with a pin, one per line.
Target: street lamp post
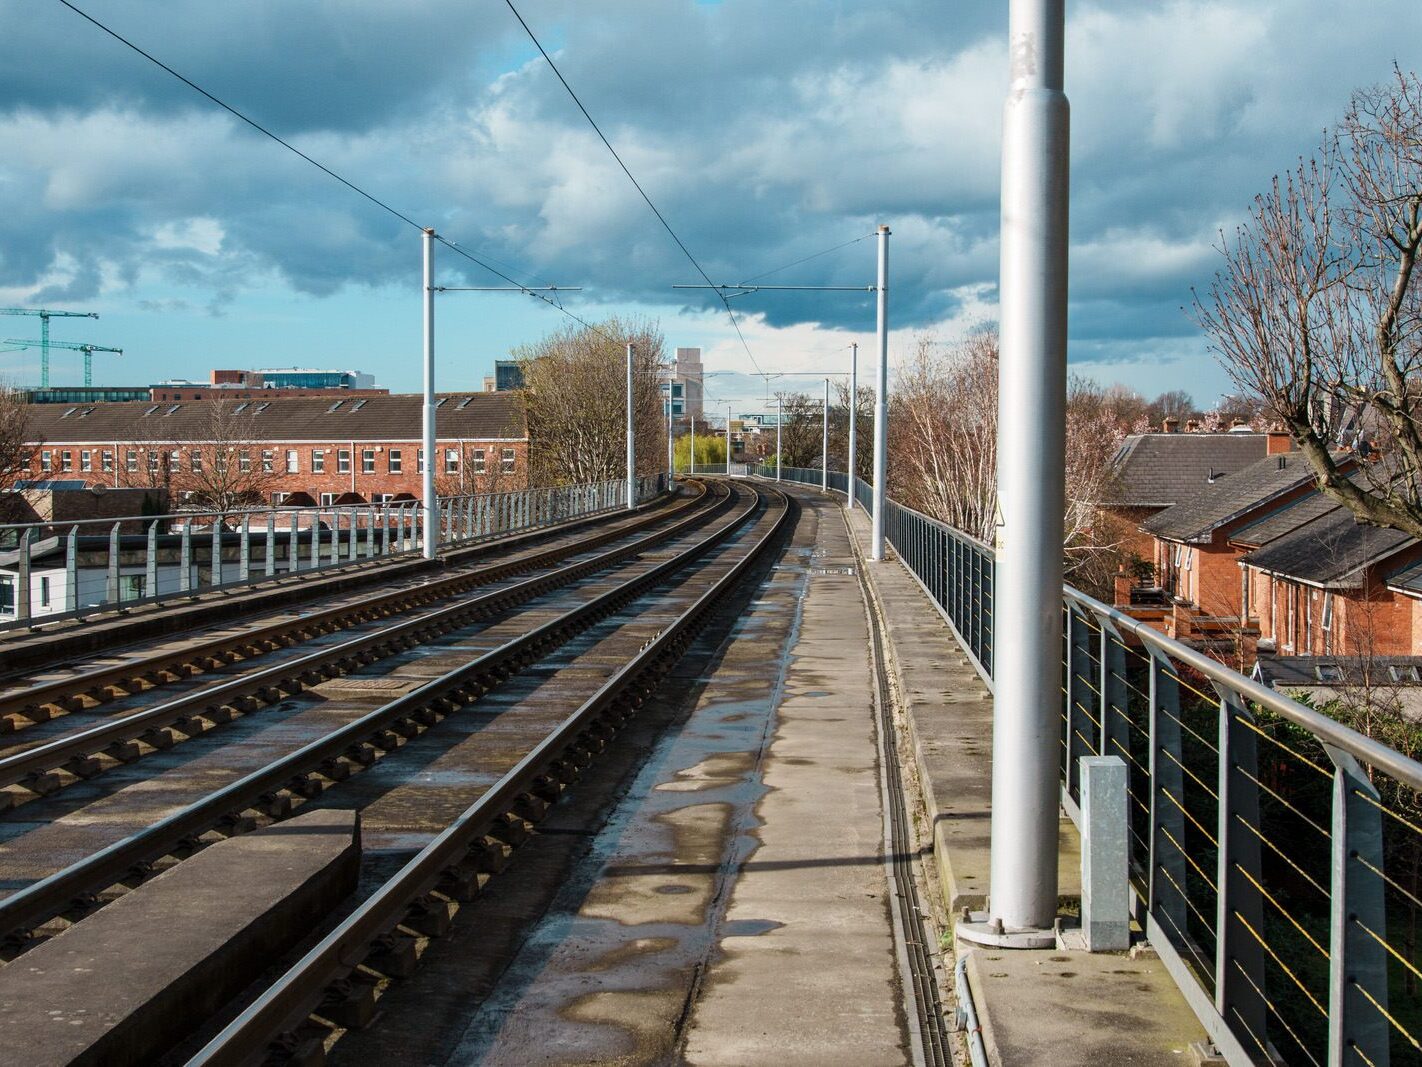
(881, 403)
(1031, 485)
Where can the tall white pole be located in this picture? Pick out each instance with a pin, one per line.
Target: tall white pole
(693, 444)
(779, 422)
(824, 443)
(431, 505)
(1031, 489)
(728, 440)
(671, 455)
(631, 438)
(853, 417)
(881, 403)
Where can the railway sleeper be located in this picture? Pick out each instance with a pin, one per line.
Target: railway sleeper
(393, 955)
(510, 829)
(84, 766)
(430, 916)
(350, 1003)
(463, 881)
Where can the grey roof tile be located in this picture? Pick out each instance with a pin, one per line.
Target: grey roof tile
(1161, 469)
(1230, 497)
(1330, 550)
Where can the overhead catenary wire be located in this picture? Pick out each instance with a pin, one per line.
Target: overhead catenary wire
(635, 183)
(806, 259)
(371, 197)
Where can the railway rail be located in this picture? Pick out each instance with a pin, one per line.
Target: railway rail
(81, 754)
(668, 583)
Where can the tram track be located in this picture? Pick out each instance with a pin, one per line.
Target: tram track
(289, 782)
(82, 754)
(91, 684)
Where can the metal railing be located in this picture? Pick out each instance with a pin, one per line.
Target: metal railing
(69, 569)
(1276, 853)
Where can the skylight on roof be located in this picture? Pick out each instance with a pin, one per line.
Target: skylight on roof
(151, 410)
(464, 403)
(240, 408)
(334, 406)
(71, 411)
(262, 406)
(440, 402)
(172, 409)
(357, 405)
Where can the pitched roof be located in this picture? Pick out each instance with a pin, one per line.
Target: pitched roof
(1311, 671)
(1161, 469)
(1230, 497)
(396, 417)
(1283, 519)
(1331, 550)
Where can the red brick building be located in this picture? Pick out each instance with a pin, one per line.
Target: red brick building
(350, 449)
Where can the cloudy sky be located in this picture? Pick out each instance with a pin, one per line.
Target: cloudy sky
(765, 130)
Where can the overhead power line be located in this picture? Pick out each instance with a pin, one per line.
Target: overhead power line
(630, 177)
(806, 259)
(383, 205)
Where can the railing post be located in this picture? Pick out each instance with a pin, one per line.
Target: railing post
(111, 586)
(1357, 960)
(71, 570)
(293, 547)
(269, 564)
(214, 570)
(1115, 724)
(1167, 878)
(185, 559)
(244, 550)
(150, 563)
(370, 532)
(1078, 698)
(1239, 907)
(22, 577)
(354, 534)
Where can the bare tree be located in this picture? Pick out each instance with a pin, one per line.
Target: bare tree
(219, 465)
(1318, 309)
(801, 430)
(16, 449)
(575, 384)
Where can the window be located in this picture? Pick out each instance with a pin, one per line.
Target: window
(46, 460)
(327, 499)
(71, 411)
(367, 461)
(440, 402)
(106, 461)
(358, 405)
(1326, 621)
(240, 408)
(86, 460)
(266, 461)
(261, 407)
(463, 403)
(480, 465)
(244, 461)
(318, 461)
(175, 460)
(1328, 672)
(66, 460)
(343, 461)
(506, 463)
(394, 460)
(44, 592)
(130, 461)
(293, 464)
(451, 461)
(131, 586)
(335, 406)
(172, 409)
(420, 458)
(1404, 672)
(151, 410)
(195, 460)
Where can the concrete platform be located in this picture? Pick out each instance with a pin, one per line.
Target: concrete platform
(1035, 1007)
(130, 981)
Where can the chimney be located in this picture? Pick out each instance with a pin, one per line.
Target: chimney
(1192, 426)
(1170, 424)
(1278, 442)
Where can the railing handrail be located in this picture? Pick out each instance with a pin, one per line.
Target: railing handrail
(1326, 729)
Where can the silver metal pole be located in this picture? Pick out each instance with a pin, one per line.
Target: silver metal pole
(671, 455)
(693, 445)
(881, 404)
(853, 413)
(431, 505)
(1030, 478)
(779, 422)
(631, 439)
(824, 442)
(728, 440)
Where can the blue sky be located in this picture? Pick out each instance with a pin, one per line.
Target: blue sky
(764, 131)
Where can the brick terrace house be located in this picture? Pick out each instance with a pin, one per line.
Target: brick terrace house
(1155, 471)
(335, 450)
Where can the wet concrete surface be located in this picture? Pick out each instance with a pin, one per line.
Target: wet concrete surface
(712, 890)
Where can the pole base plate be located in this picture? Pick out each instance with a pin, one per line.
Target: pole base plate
(979, 929)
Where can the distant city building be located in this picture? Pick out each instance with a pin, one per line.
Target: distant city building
(295, 378)
(508, 375)
(682, 384)
(85, 394)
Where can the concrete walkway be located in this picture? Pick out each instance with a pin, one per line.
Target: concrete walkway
(1073, 1009)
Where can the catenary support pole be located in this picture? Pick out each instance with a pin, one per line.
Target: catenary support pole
(430, 505)
(779, 422)
(692, 450)
(728, 440)
(853, 418)
(671, 455)
(881, 404)
(1031, 482)
(631, 439)
(824, 442)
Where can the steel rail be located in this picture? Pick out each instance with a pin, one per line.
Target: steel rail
(26, 909)
(94, 681)
(286, 1002)
(293, 675)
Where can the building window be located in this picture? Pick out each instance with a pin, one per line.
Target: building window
(195, 460)
(130, 461)
(47, 460)
(1406, 672)
(420, 460)
(394, 460)
(506, 461)
(367, 461)
(107, 460)
(451, 461)
(318, 461)
(86, 460)
(44, 592)
(343, 461)
(1326, 620)
(293, 463)
(266, 461)
(327, 499)
(153, 463)
(479, 463)
(244, 461)
(1328, 672)
(66, 460)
